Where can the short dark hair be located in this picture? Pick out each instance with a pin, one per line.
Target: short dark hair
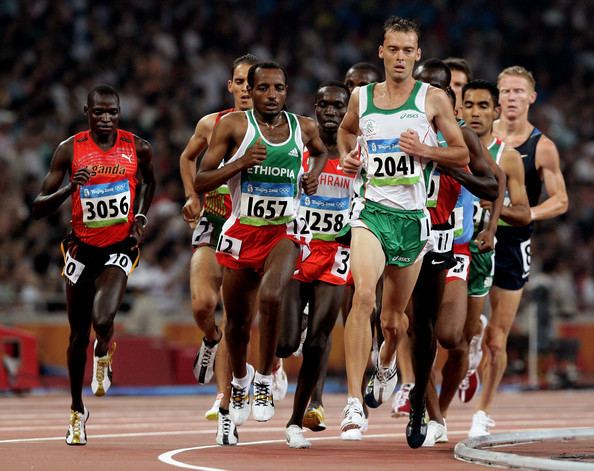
(440, 73)
(369, 67)
(103, 90)
(483, 85)
(335, 84)
(460, 64)
(403, 25)
(245, 59)
(263, 65)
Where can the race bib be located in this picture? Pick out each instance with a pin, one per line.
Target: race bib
(72, 268)
(461, 268)
(105, 204)
(457, 220)
(433, 190)
(325, 216)
(480, 216)
(121, 260)
(264, 203)
(443, 240)
(388, 165)
(342, 263)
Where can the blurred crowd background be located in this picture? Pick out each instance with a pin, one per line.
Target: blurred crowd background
(170, 61)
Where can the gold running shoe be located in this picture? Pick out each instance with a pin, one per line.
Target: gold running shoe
(102, 373)
(77, 434)
(315, 419)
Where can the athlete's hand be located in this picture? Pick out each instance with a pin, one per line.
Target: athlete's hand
(80, 177)
(137, 232)
(191, 210)
(485, 240)
(411, 144)
(309, 184)
(350, 163)
(255, 155)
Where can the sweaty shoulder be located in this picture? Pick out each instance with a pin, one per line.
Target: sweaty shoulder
(142, 145)
(437, 102)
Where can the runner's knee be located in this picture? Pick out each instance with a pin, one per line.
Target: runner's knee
(79, 340)
(204, 304)
(496, 338)
(394, 325)
(364, 301)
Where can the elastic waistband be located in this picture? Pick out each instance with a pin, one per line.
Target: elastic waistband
(377, 207)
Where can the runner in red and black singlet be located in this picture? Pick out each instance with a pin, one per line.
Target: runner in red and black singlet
(108, 227)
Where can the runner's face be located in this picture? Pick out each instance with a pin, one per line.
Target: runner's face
(479, 111)
(459, 79)
(103, 113)
(331, 106)
(515, 96)
(270, 91)
(399, 51)
(237, 86)
(358, 78)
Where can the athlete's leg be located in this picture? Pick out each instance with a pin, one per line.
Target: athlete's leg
(450, 333)
(404, 356)
(278, 271)
(294, 301)
(240, 289)
(110, 287)
(324, 308)
(367, 265)
(504, 306)
(79, 302)
(427, 297)
(206, 276)
(399, 283)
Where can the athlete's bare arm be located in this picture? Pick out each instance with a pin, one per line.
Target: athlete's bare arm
(317, 150)
(547, 164)
(481, 182)
(52, 196)
(225, 140)
(187, 166)
(439, 111)
(346, 137)
(144, 153)
(518, 212)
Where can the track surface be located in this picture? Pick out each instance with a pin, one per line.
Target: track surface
(130, 433)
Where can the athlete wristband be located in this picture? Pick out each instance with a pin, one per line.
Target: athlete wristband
(140, 215)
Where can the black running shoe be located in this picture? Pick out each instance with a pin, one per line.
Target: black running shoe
(416, 429)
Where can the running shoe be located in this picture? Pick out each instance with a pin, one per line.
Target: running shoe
(481, 423)
(401, 402)
(469, 386)
(77, 434)
(295, 438)
(226, 430)
(263, 407)
(353, 420)
(280, 382)
(102, 372)
(436, 433)
(204, 362)
(239, 407)
(315, 419)
(381, 384)
(416, 429)
(213, 412)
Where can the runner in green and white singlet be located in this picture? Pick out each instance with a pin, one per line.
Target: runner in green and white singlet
(397, 120)
(261, 240)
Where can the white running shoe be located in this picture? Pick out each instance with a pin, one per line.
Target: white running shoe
(213, 412)
(239, 406)
(382, 383)
(102, 372)
(475, 350)
(295, 438)
(263, 406)
(401, 402)
(226, 431)
(204, 362)
(481, 423)
(353, 420)
(77, 433)
(436, 433)
(280, 382)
